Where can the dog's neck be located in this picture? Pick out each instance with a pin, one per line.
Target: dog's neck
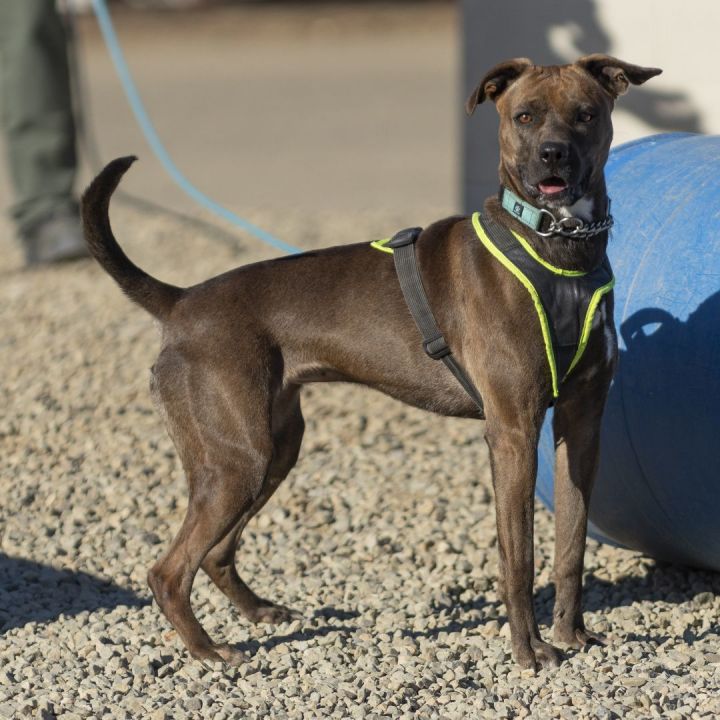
(581, 253)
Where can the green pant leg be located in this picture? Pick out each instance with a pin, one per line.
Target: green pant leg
(36, 109)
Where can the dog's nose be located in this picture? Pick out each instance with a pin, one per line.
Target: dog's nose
(554, 153)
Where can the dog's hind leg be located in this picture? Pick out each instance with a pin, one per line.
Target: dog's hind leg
(220, 423)
(287, 432)
(210, 513)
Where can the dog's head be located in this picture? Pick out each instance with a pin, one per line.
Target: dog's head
(555, 127)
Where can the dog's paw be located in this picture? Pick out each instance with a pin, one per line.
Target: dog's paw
(218, 653)
(537, 655)
(577, 638)
(272, 614)
(231, 655)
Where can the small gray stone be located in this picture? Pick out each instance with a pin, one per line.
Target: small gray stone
(634, 681)
(193, 704)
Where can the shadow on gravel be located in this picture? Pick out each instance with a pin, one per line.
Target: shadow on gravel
(456, 612)
(303, 635)
(306, 635)
(662, 582)
(335, 613)
(32, 592)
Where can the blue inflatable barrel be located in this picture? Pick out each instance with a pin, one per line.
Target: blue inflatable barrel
(658, 486)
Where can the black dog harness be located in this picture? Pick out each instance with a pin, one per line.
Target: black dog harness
(566, 301)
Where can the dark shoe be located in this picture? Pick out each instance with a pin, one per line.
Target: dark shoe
(57, 239)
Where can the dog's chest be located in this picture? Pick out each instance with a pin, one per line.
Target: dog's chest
(566, 301)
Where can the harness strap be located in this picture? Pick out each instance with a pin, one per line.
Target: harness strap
(434, 344)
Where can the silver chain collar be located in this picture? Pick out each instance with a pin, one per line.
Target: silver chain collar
(574, 227)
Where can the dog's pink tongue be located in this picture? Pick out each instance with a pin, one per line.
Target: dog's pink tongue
(553, 185)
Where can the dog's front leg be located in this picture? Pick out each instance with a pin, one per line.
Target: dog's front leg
(576, 427)
(513, 453)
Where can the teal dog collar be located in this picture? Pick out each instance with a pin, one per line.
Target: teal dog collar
(535, 218)
(525, 212)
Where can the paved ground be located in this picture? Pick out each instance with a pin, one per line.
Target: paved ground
(335, 108)
(384, 539)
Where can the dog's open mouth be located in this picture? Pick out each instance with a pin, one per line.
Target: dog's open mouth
(552, 185)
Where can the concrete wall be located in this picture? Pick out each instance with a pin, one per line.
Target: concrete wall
(681, 38)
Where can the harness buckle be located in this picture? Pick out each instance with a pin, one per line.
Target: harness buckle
(404, 237)
(436, 348)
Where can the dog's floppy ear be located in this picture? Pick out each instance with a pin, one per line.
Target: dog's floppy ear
(496, 82)
(615, 75)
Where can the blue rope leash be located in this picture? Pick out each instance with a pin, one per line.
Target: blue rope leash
(148, 130)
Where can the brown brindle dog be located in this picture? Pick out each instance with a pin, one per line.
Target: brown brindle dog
(236, 350)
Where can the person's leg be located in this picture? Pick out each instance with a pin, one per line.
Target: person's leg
(37, 120)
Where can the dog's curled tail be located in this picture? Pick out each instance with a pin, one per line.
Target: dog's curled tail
(157, 297)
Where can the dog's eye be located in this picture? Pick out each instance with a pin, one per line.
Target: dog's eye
(524, 118)
(584, 116)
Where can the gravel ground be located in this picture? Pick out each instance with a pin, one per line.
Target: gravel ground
(383, 536)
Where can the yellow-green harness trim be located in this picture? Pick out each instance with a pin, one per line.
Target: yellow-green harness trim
(530, 250)
(380, 245)
(587, 324)
(544, 325)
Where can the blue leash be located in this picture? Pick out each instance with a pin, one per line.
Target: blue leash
(148, 130)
